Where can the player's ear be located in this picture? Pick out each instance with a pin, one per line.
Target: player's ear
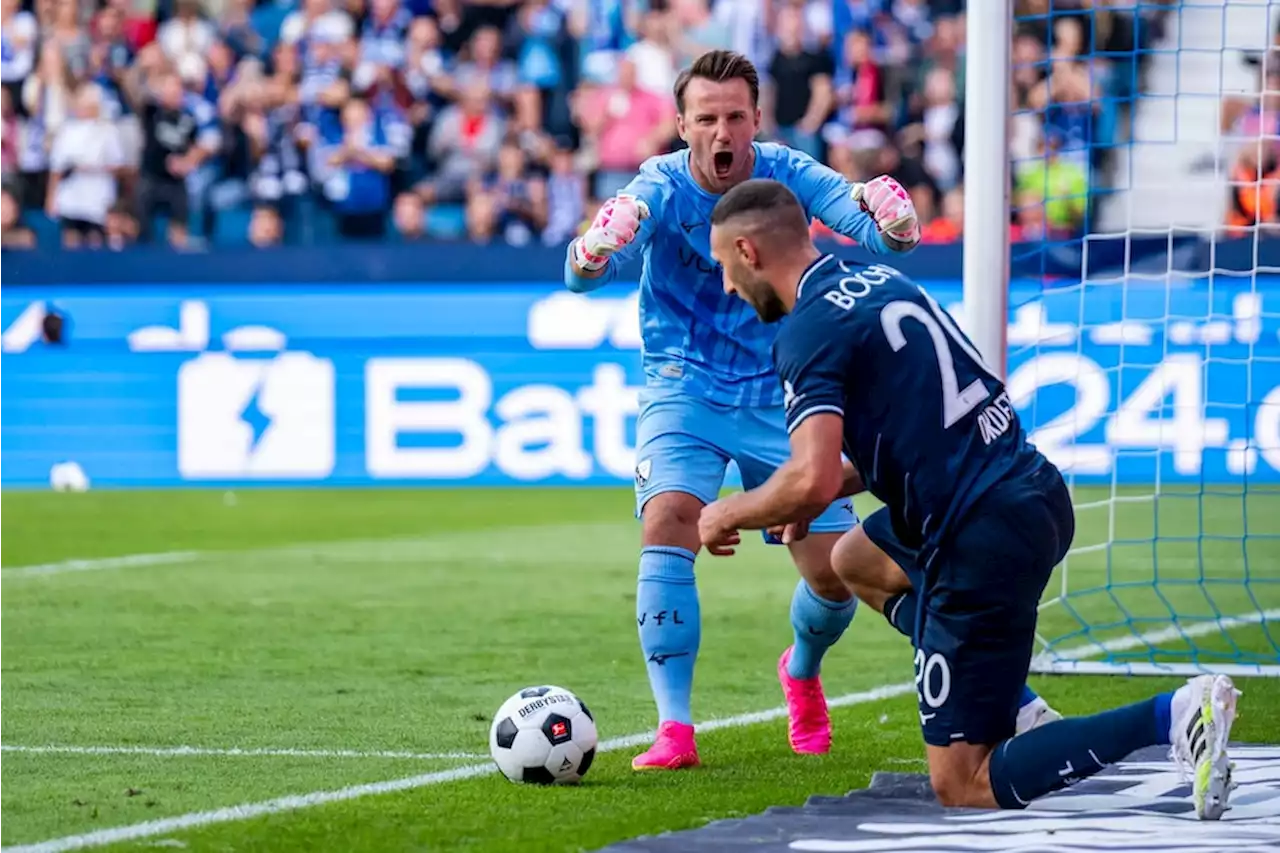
(747, 251)
(680, 126)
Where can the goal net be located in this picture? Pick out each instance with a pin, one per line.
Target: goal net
(1144, 349)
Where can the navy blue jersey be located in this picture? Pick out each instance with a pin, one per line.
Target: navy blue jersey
(926, 422)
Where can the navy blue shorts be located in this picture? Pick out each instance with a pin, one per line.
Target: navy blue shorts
(980, 597)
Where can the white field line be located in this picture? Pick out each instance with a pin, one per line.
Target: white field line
(128, 561)
(247, 811)
(1173, 632)
(180, 751)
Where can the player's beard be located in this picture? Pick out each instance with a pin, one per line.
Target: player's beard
(759, 294)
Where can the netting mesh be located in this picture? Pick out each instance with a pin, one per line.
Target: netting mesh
(1146, 344)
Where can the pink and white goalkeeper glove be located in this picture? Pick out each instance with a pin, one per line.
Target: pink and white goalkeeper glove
(890, 205)
(615, 226)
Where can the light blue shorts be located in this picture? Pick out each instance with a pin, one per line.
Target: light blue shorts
(685, 443)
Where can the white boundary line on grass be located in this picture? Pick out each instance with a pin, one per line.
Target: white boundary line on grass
(128, 561)
(294, 802)
(166, 751)
(247, 811)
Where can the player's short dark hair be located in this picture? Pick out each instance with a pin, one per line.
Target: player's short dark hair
(719, 66)
(765, 199)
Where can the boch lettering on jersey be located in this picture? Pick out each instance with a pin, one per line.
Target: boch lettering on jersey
(858, 284)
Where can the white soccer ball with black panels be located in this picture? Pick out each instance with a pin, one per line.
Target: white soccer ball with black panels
(543, 735)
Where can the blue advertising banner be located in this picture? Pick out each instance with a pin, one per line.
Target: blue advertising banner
(522, 382)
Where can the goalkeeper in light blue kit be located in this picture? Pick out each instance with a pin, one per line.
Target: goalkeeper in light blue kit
(712, 396)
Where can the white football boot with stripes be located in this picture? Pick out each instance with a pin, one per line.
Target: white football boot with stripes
(1203, 710)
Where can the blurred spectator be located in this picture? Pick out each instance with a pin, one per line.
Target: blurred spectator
(238, 31)
(265, 227)
(464, 143)
(68, 34)
(12, 138)
(46, 98)
(18, 32)
(801, 94)
(653, 54)
(316, 21)
(566, 199)
(83, 164)
(178, 136)
(187, 33)
(938, 124)
(948, 226)
(862, 115)
(696, 31)
(509, 202)
(122, 227)
(410, 217)
(14, 233)
(1059, 185)
(627, 125)
(359, 185)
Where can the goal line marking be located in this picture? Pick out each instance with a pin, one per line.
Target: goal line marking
(295, 802)
(246, 752)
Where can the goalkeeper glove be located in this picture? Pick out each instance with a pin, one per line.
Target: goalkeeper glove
(890, 205)
(614, 227)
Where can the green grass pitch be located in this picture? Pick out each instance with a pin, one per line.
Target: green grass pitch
(355, 627)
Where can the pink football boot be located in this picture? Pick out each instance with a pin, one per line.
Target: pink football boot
(673, 750)
(808, 723)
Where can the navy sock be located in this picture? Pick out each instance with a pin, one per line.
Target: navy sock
(900, 611)
(1164, 716)
(1061, 753)
(1028, 696)
(670, 623)
(817, 623)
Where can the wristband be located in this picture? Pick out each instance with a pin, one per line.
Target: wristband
(585, 260)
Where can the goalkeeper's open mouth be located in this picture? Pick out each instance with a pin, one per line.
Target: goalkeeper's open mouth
(722, 164)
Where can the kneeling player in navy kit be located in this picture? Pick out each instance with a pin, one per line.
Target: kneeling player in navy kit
(977, 517)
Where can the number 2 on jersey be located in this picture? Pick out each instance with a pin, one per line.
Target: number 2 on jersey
(955, 402)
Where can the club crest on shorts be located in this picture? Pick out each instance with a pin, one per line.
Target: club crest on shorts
(643, 469)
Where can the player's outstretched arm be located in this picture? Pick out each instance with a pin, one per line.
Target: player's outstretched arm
(879, 215)
(799, 490)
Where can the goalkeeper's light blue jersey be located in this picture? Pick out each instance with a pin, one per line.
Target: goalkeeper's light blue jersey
(697, 339)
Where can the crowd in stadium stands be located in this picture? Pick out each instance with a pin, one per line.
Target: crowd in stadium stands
(1251, 127)
(260, 122)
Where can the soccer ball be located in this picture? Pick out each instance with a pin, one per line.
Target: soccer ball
(543, 735)
(68, 477)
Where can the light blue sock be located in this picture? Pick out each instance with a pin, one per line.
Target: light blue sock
(670, 623)
(817, 624)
